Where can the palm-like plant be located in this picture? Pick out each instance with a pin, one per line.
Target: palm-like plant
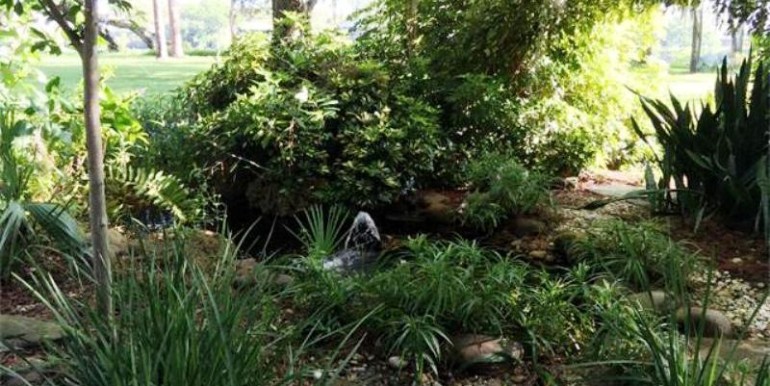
(21, 218)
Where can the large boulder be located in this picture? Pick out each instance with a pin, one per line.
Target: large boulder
(714, 323)
(362, 247)
(655, 301)
(23, 332)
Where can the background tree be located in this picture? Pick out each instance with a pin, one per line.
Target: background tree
(697, 37)
(160, 30)
(176, 29)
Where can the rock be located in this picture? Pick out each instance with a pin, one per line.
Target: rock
(564, 245)
(752, 351)
(246, 274)
(538, 255)
(437, 206)
(656, 301)
(527, 226)
(571, 183)
(362, 247)
(715, 323)
(119, 243)
(736, 260)
(28, 378)
(396, 362)
(23, 332)
(283, 279)
(473, 349)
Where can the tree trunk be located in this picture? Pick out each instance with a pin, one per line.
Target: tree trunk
(97, 201)
(697, 37)
(160, 30)
(232, 19)
(176, 29)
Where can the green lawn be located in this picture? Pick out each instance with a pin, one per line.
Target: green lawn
(691, 87)
(130, 72)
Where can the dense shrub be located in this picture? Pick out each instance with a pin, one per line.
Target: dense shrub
(502, 188)
(309, 122)
(547, 82)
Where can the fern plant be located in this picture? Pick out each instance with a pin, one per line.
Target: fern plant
(134, 190)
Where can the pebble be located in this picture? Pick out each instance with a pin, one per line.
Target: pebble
(396, 362)
(736, 260)
(738, 300)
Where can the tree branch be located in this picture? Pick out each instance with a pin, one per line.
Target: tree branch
(56, 14)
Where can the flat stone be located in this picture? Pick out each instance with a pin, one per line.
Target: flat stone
(472, 349)
(656, 301)
(22, 331)
(614, 190)
(715, 323)
(750, 351)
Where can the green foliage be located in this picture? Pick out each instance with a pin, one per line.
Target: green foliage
(663, 355)
(713, 158)
(546, 81)
(308, 122)
(502, 188)
(638, 254)
(321, 232)
(23, 221)
(176, 325)
(441, 288)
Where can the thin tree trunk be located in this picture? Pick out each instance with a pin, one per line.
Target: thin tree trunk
(232, 19)
(160, 30)
(697, 37)
(176, 29)
(98, 209)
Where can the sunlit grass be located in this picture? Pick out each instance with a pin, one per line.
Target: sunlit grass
(691, 87)
(129, 71)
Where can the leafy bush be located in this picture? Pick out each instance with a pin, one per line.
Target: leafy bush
(717, 158)
(502, 188)
(547, 82)
(309, 122)
(21, 217)
(638, 254)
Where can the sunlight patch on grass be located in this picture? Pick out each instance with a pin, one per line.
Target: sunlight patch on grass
(129, 72)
